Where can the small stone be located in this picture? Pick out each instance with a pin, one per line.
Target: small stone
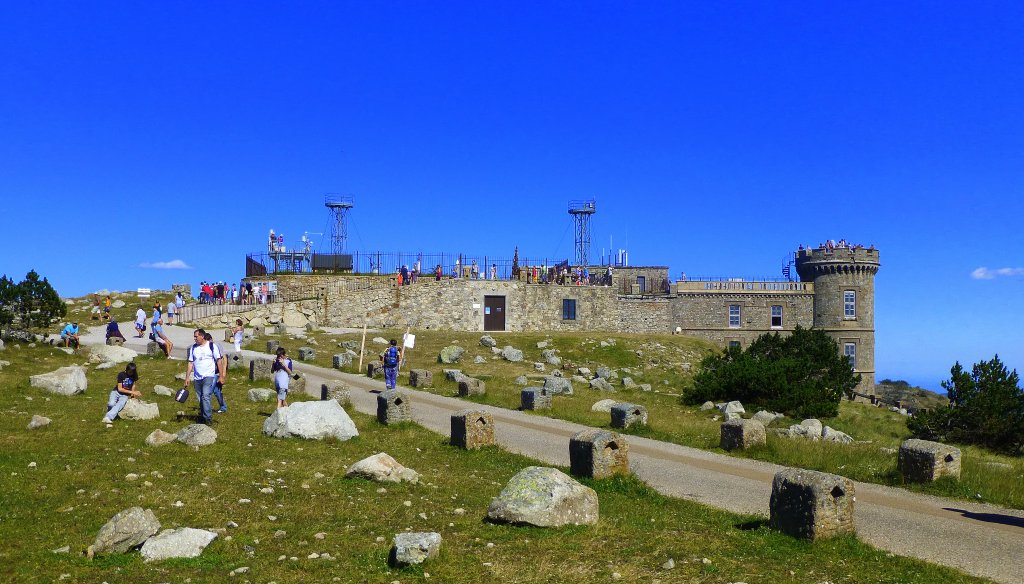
(669, 564)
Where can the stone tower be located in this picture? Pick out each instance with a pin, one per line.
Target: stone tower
(844, 303)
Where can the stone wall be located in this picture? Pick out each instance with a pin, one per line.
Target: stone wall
(706, 315)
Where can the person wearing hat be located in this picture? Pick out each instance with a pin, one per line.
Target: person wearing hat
(70, 335)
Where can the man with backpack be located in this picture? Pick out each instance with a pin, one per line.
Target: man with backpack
(391, 357)
(206, 368)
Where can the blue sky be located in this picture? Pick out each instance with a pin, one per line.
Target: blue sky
(715, 137)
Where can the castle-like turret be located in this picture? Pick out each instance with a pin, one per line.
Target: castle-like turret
(844, 302)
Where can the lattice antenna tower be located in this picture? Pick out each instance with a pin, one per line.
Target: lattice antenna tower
(338, 206)
(581, 212)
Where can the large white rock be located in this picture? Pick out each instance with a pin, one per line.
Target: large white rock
(111, 354)
(314, 420)
(126, 530)
(163, 390)
(830, 434)
(733, 407)
(64, 381)
(136, 409)
(294, 318)
(510, 353)
(383, 468)
(185, 542)
(160, 438)
(545, 497)
(262, 395)
(117, 304)
(604, 405)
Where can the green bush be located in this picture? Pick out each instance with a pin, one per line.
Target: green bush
(986, 407)
(32, 303)
(800, 375)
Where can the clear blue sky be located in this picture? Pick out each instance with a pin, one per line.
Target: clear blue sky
(715, 137)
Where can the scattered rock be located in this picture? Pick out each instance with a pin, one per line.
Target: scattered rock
(511, 354)
(382, 468)
(558, 385)
(733, 407)
(414, 548)
(262, 395)
(521, 380)
(544, 497)
(136, 409)
(160, 438)
(163, 390)
(451, 354)
(184, 542)
(126, 530)
(196, 435)
(708, 405)
(601, 384)
(313, 420)
(111, 354)
(604, 405)
(479, 360)
(551, 357)
(538, 366)
(831, 435)
(488, 341)
(380, 341)
(766, 418)
(38, 422)
(64, 381)
(542, 344)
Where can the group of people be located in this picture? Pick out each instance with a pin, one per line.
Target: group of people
(242, 293)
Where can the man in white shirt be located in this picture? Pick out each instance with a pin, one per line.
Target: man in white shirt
(205, 367)
(140, 322)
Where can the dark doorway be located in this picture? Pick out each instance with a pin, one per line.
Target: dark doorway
(494, 313)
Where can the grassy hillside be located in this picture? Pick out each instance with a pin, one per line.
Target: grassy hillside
(84, 473)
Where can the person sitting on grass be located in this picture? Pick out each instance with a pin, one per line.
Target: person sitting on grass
(113, 330)
(122, 392)
(70, 335)
(160, 338)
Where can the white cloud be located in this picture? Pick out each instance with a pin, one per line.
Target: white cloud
(984, 273)
(171, 265)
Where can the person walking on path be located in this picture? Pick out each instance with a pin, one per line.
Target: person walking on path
(218, 387)
(122, 392)
(170, 313)
(282, 370)
(140, 322)
(204, 368)
(391, 357)
(238, 334)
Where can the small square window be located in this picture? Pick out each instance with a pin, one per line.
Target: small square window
(734, 344)
(568, 309)
(850, 351)
(777, 316)
(850, 304)
(734, 316)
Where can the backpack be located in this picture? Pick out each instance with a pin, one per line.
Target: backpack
(391, 357)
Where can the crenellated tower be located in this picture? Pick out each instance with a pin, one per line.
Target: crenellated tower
(844, 302)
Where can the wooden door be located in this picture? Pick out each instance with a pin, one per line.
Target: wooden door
(494, 313)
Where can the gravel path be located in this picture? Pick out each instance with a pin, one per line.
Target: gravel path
(983, 540)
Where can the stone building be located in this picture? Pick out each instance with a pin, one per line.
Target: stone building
(835, 294)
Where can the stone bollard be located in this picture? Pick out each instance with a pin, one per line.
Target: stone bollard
(393, 407)
(115, 341)
(921, 461)
(258, 331)
(535, 398)
(342, 360)
(306, 354)
(471, 386)
(374, 369)
(235, 361)
(280, 329)
(272, 346)
(421, 378)
(811, 505)
(742, 434)
(336, 390)
(598, 454)
(259, 368)
(625, 415)
(472, 429)
(153, 348)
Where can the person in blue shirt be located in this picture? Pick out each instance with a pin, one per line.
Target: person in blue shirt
(70, 335)
(160, 338)
(113, 330)
(156, 313)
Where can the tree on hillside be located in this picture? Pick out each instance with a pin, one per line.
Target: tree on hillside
(32, 303)
(986, 407)
(800, 375)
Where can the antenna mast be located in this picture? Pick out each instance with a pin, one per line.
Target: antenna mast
(581, 212)
(339, 206)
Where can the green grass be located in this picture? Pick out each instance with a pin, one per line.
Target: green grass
(878, 432)
(80, 481)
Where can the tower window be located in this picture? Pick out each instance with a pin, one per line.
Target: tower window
(734, 344)
(850, 304)
(568, 309)
(734, 316)
(777, 316)
(850, 352)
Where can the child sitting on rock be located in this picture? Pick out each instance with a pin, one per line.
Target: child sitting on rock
(122, 392)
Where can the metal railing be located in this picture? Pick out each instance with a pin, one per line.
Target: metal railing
(194, 312)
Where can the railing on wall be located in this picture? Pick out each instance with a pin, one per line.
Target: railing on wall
(744, 286)
(194, 312)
